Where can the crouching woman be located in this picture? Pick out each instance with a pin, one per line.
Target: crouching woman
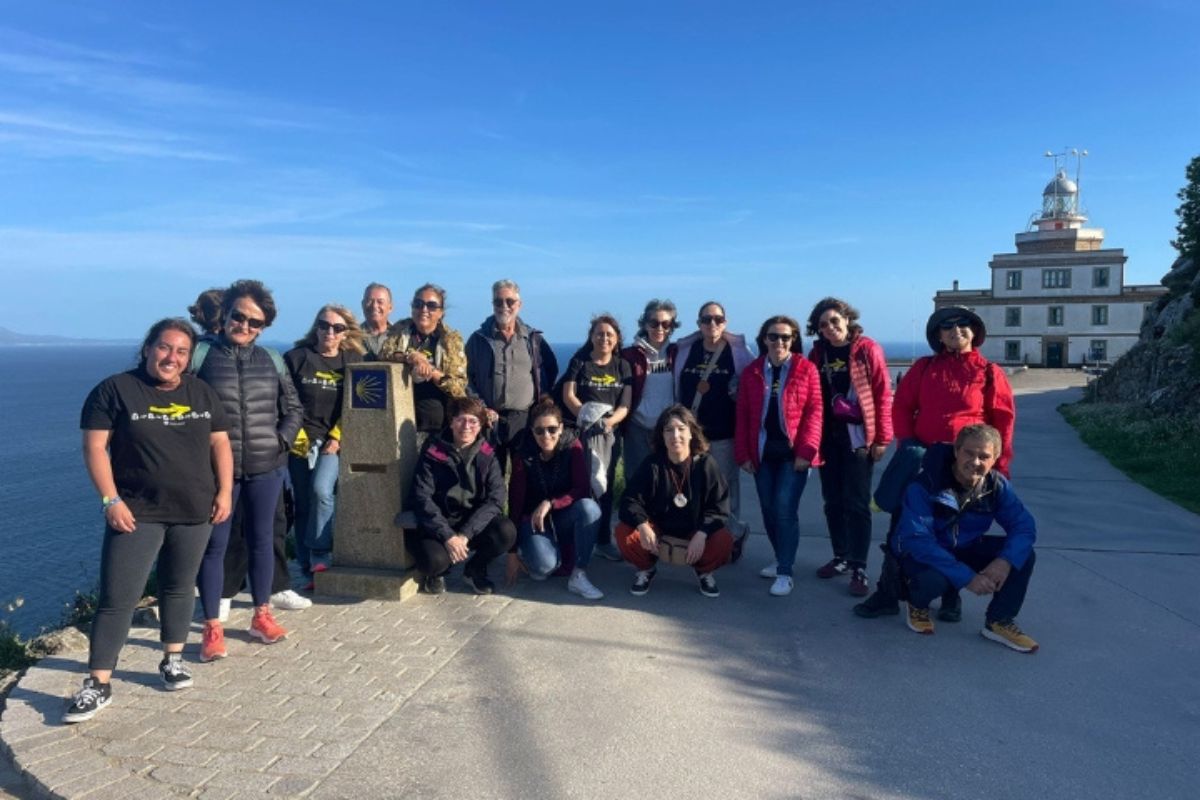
(458, 495)
(679, 493)
(549, 500)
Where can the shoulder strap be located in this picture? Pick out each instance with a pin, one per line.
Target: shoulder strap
(199, 353)
(277, 359)
(706, 370)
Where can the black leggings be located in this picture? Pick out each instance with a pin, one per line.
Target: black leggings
(125, 562)
(433, 559)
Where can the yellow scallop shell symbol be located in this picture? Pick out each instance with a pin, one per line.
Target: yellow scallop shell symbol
(369, 389)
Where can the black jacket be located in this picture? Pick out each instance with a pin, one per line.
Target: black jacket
(456, 491)
(651, 492)
(481, 362)
(262, 405)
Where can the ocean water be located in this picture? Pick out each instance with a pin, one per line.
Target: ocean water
(51, 540)
(50, 544)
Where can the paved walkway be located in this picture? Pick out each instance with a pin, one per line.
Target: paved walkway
(537, 694)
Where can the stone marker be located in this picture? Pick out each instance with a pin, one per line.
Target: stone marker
(378, 455)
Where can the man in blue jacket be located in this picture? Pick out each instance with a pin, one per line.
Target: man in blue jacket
(940, 538)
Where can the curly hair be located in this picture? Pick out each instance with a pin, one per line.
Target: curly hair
(848, 311)
(604, 319)
(256, 291)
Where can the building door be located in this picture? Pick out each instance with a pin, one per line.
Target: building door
(1054, 353)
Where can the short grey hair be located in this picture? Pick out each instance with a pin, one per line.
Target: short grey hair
(372, 287)
(980, 431)
(505, 283)
(653, 306)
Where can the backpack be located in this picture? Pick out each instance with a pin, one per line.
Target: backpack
(201, 352)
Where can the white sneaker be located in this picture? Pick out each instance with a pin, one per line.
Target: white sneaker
(288, 600)
(782, 586)
(769, 571)
(580, 585)
(223, 613)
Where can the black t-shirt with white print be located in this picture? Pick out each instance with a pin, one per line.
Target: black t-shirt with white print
(160, 448)
(319, 382)
(599, 384)
(716, 414)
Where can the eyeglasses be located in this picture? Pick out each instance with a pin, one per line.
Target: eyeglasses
(499, 302)
(325, 325)
(660, 324)
(951, 324)
(780, 337)
(428, 305)
(251, 322)
(467, 421)
(548, 430)
(712, 319)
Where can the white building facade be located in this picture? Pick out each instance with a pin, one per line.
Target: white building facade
(1061, 299)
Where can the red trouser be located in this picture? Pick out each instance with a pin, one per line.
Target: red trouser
(717, 550)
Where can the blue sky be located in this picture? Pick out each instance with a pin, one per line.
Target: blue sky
(764, 154)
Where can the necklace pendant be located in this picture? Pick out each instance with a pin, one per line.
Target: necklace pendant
(679, 500)
(702, 387)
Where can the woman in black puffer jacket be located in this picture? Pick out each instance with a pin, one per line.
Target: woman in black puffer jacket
(264, 416)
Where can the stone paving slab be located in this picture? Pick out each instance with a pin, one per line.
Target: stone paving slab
(247, 725)
(537, 693)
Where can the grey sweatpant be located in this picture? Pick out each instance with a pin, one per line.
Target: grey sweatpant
(125, 562)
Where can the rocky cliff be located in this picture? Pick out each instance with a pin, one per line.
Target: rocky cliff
(1163, 370)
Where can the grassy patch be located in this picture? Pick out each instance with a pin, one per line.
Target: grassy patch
(1161, 453)
(17, 652)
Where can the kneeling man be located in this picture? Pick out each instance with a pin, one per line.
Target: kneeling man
(940, 539)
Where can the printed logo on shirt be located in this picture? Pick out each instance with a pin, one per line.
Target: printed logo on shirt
(601, 381)
(174, 414)
(325, 380)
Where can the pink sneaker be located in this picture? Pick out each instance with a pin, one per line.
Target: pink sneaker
(212, 643)
(264, 627)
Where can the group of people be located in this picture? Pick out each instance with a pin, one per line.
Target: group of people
(191, 451)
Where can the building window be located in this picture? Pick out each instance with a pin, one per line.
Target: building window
(1013, 279)
(1012, 350)
(1100, 277)
(1098, 350)
(1012, 317)
(1054, 315)
(1099, 315)
(1056, 279)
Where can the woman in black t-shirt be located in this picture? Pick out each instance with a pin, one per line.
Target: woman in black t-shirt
(156, 447)
(318, 368)
(597, 374)
(707, 366)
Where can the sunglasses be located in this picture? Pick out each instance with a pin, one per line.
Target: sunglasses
(336, 327)
(499, 302)
(780, 337)
(548, 430)
(712, 319)
(663, 324)
(950, 324)
(428, 305)
(251, 322)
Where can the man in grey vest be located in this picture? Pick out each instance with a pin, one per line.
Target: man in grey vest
(509, 365)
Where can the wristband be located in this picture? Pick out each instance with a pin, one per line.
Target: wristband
(107, 502)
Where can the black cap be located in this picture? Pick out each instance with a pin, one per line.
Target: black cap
(954, 312)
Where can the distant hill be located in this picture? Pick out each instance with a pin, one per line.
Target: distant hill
(12, 338)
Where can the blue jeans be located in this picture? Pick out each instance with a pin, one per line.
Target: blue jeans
(314, 490)
(779, 488)
(541, 551)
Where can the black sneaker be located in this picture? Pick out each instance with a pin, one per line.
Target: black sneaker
(708, 585)
(641, 581)
(88, 701)
(174, 672)
(435, 584)
(878, 605)
(951, 610)
(480, 584)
